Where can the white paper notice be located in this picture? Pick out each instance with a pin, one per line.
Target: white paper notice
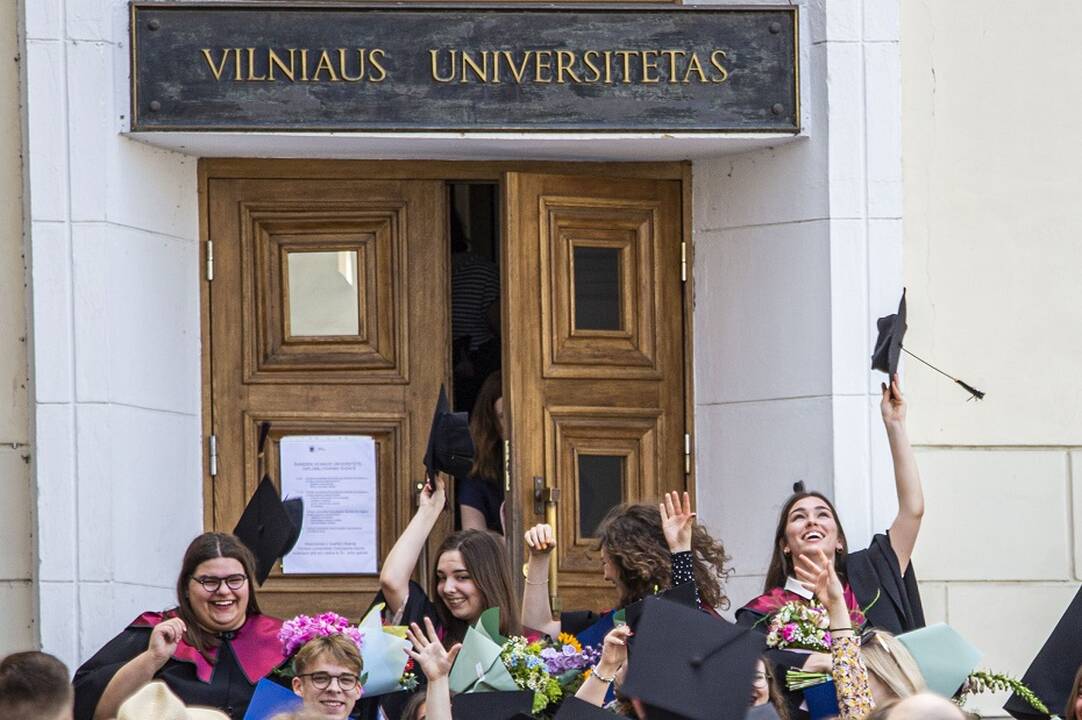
(336, 476)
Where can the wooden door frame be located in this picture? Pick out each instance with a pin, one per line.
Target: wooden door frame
(450, 171)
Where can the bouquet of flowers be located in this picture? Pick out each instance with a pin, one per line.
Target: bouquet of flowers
(981, 681)
(569, 661)
(298, 631)
(800, 626)
(530, 671)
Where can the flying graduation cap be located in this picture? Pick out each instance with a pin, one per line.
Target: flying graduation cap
(450, 446)
(888, 348)
(1051, 675)
(680, 654)
(269, 527)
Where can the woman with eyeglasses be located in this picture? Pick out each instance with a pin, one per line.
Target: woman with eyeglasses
(211, 649)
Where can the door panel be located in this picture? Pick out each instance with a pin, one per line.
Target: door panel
(328, 316)
(594, 324)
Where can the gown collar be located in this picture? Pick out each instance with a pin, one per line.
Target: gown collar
(255, 646)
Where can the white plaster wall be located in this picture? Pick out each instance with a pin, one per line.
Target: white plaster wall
(797, 251)
(991, 175)
(115, 340)
(17, 627)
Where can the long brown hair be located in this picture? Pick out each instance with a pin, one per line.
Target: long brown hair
(781, 564)
(1070, 713)
(774, 691)
(485, 556)
(209, 546)
(632, 537)
(485, 430)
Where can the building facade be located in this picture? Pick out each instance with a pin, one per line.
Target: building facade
(796, 245)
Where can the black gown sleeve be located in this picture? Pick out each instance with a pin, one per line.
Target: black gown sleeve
(889, 599)
(94, 675)
(683, 571)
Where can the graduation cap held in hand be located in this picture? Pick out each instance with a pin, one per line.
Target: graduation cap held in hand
(888, 348)
(492, 705)
(1051, 675)
(450, 446)
(269, 527)
(691, 664)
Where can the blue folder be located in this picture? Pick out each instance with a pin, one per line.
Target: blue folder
(269, 699)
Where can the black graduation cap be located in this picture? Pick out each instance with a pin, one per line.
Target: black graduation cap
(683, 594)
(450, 447)
(692, 665)
(571, 708)
(1051, 675)
(269, 527)
(492, 705)
(888, 348)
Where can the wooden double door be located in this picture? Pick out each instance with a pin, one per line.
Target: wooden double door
(326, 311)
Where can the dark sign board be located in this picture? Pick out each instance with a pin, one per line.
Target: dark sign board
(297, 67)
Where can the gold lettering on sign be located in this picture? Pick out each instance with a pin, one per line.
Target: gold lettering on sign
(565, 63)
(324, 64)
(626, 55)
(468, 63)
(374, 58)
(715, 60)
(539, 66)
(694, 66)
(216, 70)
(434, 54)
(588, 59)
(672, 55)
(520, 71)
(275, 61)
(344, 72)
(649, 64)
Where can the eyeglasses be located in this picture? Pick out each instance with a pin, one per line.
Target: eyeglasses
(346, 681)
(211, 583)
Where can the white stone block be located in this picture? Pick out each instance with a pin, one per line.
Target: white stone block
(153, 189)
(1076, 494)
(748, 455)
(845, 119)
(93, 275)
(97, 445)
(55, 482)
(58, 621)
(1009, 623)
(882, 20)
(46, 130)
(883, 103)
(760, 293)
(994, 515)
(42, 19)
(852, 482)
(90, 19)
(16, 528)
(90, 126)
(835, 20)
(933, 598)
(153, 310)
(157, 488)
(848, 306)
(107, 608)
(50, 289)
(17, 630)
(881, 465)
(782, 184)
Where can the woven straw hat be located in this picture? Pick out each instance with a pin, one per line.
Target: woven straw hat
(155, 701)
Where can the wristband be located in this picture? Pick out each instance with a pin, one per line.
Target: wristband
(607, 680)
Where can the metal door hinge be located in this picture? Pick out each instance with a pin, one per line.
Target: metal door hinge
(683, 262)
(210, 260)
(212, 449)
(687, 453)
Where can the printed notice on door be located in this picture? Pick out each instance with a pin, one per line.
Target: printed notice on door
(336, 476)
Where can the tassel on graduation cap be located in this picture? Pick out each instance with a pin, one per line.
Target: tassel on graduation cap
(888, 349)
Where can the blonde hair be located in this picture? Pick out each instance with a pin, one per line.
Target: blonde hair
(891, 662)
(338, 648)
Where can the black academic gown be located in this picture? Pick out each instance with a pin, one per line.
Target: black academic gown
(228, 687)
(889, 599)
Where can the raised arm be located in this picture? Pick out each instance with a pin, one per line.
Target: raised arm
(141, 669)
(436, 663)
(536, 611)
(394, 579)
(906, 525)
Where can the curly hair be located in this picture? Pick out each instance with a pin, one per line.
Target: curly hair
(632, 537)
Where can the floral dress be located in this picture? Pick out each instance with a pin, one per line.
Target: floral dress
(850, 678)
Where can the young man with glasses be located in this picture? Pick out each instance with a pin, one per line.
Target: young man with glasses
(328, 675)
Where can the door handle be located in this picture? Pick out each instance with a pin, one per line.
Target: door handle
(545, 499)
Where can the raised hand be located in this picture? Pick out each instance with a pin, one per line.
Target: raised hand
(540, 539)
(428, 652)
(614, 650)
(892, 405)
(819, 575)
(677, 521)
(434, 494)
(164, 639)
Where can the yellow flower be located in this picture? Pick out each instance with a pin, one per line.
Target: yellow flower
(569, 639)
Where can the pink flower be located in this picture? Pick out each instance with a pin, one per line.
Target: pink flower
(301, 629)
(788, 631)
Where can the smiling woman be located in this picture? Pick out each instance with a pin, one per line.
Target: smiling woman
(210, 650)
